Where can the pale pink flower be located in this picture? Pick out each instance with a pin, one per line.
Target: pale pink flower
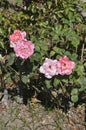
(49, 68)
(24, 49)
(16, 36)
(65, 66)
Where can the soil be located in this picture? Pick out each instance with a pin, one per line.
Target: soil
(35, 117)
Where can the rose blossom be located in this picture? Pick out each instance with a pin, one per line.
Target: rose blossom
(49, 68)
(16, 36)
(24, 49)
(65, 66)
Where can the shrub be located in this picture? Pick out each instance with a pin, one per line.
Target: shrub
(57, 29)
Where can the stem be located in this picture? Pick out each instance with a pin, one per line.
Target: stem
(63, 90)
(13, 70)
(36, 89)
(22, 61)
(82, 53)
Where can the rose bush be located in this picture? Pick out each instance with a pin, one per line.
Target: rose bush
(56, 63)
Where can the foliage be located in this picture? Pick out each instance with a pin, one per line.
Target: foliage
(57, 28)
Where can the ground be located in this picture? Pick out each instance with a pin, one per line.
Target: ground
(36, 117)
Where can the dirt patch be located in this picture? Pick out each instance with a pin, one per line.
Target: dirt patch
(36, 117)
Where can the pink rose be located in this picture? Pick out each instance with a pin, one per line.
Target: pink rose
(16, 36)
(49, 68)
(24, 49)
(65, 66)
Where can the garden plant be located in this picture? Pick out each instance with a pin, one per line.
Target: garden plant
(43, 51)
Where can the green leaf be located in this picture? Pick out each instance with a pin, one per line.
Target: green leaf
(18, 1)
(56, 2)
(44, 47)
(1, 31)
(74, 95)
(49, 4)
(11, 59)
(55, 48)
(67, 53)
(25, 79)
(74, 91)
(8, 78)
(48, 84)
(52, 53)
(60, 14)
(36, 57)
(80, 70)
(56, 82)
(2, 45)
(75, 41)
(82, 82)
(72, 36)
(37, 48)
(85, 64)
(74, 98)
(74, 57)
